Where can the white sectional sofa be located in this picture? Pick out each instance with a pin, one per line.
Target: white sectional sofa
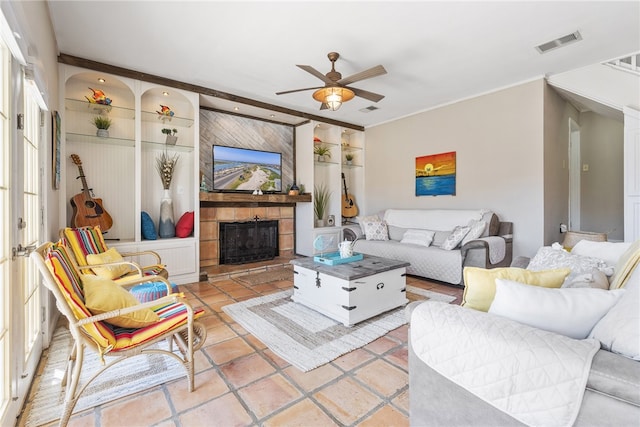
(408, 232)
(531, 359)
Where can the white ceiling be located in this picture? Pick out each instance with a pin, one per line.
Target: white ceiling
(435, 53)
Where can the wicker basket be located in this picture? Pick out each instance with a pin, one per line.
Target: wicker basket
(573, 237)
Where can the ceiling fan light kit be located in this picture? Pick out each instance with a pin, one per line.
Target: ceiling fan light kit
(335, 91)
(333, 97)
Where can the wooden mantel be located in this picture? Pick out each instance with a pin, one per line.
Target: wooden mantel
(244, 198)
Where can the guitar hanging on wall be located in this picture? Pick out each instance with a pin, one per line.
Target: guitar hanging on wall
(87, 210)
(349, 209)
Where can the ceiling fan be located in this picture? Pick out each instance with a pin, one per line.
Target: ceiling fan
(335, 91)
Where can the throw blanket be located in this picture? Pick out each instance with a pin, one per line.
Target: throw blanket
(431, 219)
(537, 377)
(497, 248)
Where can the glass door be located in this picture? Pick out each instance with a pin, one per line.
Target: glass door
(21, 308)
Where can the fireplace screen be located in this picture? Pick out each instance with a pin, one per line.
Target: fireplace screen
(242, 242)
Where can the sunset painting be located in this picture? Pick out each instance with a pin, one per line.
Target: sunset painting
(436, 175)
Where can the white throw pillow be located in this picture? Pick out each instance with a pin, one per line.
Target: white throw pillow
(455, 237)
(476, 230)
(362, 219)
(550, 258)
(376, 230)
(619, 330)
(572, 312)
(610, 252)
(418, 237)
(596, 279)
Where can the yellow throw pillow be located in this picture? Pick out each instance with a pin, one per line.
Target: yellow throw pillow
(112, 272)
(103, 295)
(480, 283)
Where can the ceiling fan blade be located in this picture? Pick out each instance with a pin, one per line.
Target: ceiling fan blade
(309, 69)
(366, 74)
(298, 90)
(371, 96)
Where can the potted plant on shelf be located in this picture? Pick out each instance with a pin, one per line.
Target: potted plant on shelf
(102, 124)
(322, 152)
(171, 136)
(348, 158)
(321, 195)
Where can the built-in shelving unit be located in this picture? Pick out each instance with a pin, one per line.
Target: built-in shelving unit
(121, 168)
(312, 172)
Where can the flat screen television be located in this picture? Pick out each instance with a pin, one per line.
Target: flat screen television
(245, 170)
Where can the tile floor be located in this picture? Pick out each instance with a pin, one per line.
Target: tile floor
(240, 382)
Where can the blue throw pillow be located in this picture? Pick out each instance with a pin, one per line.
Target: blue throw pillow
(148, 227)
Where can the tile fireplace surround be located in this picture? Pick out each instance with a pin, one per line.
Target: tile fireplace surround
(229, 207)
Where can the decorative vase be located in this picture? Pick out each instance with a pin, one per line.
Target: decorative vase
(167, 226)
(349, 162)
(320, 158)
(171, 140)
(103, 133)
(319, 223)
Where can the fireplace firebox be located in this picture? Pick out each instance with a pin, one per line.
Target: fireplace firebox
(243, 242)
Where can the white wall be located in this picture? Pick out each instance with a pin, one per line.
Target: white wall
(498, 138)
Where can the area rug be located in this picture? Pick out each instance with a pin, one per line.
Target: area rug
(305, 338)
(272, 275)
(125, 378)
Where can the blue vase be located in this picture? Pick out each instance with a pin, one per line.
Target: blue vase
(167, 226)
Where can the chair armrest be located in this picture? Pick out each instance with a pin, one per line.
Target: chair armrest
(122, 311)
(112, 264)
(353, 228)
(152, 253)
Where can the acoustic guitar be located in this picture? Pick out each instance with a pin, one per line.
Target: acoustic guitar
(87, 210)
(349, 208)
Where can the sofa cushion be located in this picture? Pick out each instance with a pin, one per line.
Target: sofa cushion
(476, 229)
(396, 233)
(548, 257)
(619, 330)
(431, 219)
(376, 230)
(595, 279)
(609, 252)
(480, 285)
(418, 237)
(455, 237)
(571, 312)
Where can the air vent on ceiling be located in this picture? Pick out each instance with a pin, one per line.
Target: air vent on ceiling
(559, 42)
(369, 109)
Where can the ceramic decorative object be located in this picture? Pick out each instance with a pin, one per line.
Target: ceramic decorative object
(171, 136)
(98, 97)
(165, 111)
(166, 165)
(167, 225)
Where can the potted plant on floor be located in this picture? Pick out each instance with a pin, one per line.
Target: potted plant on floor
(323, 152)
(321, 195)
(102, 124)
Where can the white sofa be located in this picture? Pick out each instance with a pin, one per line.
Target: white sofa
(452, 374)
(492, 249)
